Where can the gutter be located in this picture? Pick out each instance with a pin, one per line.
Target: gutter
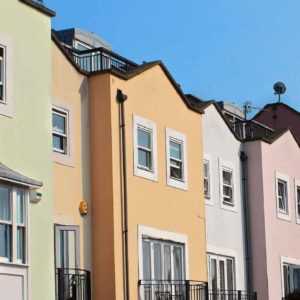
(121, 98)
(247, 229)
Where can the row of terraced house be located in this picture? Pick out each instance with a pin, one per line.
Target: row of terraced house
(115, 184)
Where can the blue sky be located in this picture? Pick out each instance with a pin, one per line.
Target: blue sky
(231, 50)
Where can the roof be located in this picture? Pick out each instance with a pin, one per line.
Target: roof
(275, 105)
(130, 74)
(201, 105)
(40, 7)
(7, 174)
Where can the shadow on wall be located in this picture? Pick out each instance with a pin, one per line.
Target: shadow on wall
(85, 176)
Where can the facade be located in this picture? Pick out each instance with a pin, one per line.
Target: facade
(163, 209)
(223, 191)
(26, 206)
(274, 196)
(71, 172)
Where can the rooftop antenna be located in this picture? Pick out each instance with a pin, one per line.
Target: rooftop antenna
(279, 89)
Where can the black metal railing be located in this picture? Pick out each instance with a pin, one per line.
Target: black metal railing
(73, 284)
(188, 290)
(99, 59)
(172, 290)
(231, 295)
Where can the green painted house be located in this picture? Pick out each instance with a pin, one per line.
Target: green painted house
(26, 202)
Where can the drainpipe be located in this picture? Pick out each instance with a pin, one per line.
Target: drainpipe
(247, 229)
(121, 98)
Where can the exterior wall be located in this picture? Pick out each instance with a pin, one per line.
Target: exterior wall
(224, 227)
(71, 172)
(257, 219)
(25, 134)
(282, 156)
(279, 116)
(273, 238)
(150, 203)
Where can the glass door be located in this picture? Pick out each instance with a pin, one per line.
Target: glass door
(221, 277)
(163, 269)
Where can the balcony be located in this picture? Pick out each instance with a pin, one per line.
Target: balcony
(73, 284)
(172, 290)
(100, 59)
(187, 290)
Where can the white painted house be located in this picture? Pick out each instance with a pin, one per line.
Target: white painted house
(224, 200)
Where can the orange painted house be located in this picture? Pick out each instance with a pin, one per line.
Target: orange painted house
(127, 142)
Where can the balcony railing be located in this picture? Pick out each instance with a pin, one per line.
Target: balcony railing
(187, 290)
(231, 295)
(73, 284)
(99, 59)
(172, 290)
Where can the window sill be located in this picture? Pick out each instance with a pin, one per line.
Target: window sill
(150, 175)
(12, 264)
(284, 217)
(181, 185)
(63, 159)
(209, 201)
(231, 208)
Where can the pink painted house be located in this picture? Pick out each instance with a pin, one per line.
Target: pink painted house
(273, 184)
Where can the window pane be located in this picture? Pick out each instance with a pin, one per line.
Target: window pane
(178, 263)
(21, 244)
(227, 191)
(144, 138)
(230, 274)
(5, 240)
(20, 205)
(213, 272)
(222, 274)
(167, 263)
(176, 169)
(145, 159)
(146, 260)
(59, 123)
(5, 209)
(206, 169)
(58, 143)
(296, 278)
(157, 262)
(286, 279)
(175, 150)
(227, 177)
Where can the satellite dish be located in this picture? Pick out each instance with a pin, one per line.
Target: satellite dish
(279, 89)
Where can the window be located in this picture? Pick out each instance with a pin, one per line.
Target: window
(13, 222)
(282, 196)
(60, 131)
(145, 149)
(291, 279)
(227, 187)
(297, 189)
(176, 159)
(206, 175)
(2, 74)
(163, 260)
(221, 271)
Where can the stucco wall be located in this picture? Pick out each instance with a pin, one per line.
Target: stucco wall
(224, 228)
(25, 137)
(257, 219)
(282, 156)
(154, 204)
(71, 172)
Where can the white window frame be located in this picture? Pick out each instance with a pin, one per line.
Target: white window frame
(290, 261)
(208, 178)
(296, 186)
(210, 200)
(157, 234)
(63, 113)
(3, 84)
(14, 260)
(281, 214)
(176, 136)
(147, 125)
(222, 257)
